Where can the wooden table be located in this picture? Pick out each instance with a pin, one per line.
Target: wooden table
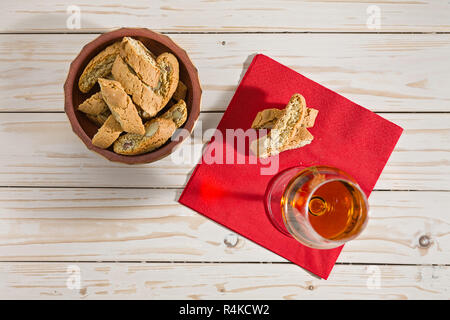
(67, 212)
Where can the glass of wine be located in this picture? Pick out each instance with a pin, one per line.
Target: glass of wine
(322, 207)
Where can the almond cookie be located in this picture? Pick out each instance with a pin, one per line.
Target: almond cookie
(167, 85)
(94, 105)
(99, 119)
(177, 113)
(107, 134)
(168, 79)
(284, 129)
(266, 119)
(301, 138)
(310, 117)
(109, 76)
(141, 60)
(143, 114)
(158, 131)
(141, 94)
(180, 92)
(99, 67)
(121, 106)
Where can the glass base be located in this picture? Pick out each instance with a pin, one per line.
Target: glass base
(273, 195)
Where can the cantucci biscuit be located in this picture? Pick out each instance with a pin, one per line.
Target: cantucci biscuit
(99, 119)
(94, 105)
(107, 134)
(121, 106)
(141, 60)
(177, 113)
(99, 67)
(141, 94)
(310, 117)
(301, 138)
(166, 87)
(180, 92)
(157, 132)
(143, 114)
(168, 79)
(266, 118)
(284, 129)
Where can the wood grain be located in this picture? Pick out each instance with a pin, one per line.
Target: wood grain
(39, 149)
(383, 72)
(63, 206)
(67, 224)
(227, 16)
(219, 281)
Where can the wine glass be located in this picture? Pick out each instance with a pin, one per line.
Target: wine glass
(320, 206)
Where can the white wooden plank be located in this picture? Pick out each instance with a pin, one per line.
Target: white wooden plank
(421, 159)
(383, 72)
(227, 16)
(40, 149)
(218, 281)
(149, 225)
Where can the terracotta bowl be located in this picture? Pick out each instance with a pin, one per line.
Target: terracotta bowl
(157, 43)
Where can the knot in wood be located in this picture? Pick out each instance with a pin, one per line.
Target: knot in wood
(231, 240)
(424, 241)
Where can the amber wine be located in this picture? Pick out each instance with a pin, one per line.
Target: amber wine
(336, 209)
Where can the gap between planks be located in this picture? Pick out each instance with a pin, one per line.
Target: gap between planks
(235, 32)
(225, 262)
(182, 188)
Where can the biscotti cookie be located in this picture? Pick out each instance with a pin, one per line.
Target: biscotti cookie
(94, 105)
(141, 94)
(99, 119)
(109, 76)
(107, 134)
(177, 113)
(168, 79)
(266, 118)
(310, 117)
(283, 130)
(180, 92)
(167, 85)
(141, 60)
(158, 131)
(99, 67)
(301, 138)
(143, 114)
(121, 106)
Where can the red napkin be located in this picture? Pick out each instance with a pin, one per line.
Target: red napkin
(346, 136)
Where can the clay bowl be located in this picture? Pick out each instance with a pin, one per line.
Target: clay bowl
(157, 43)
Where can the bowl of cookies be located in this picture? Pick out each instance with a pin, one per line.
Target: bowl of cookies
(129, 93)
